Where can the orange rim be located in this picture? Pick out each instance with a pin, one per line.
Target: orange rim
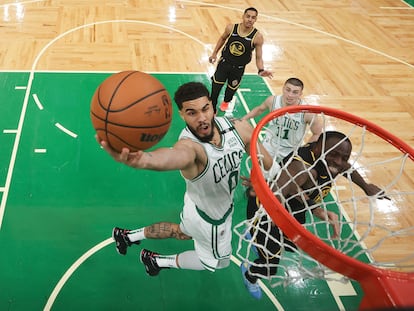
(382, 288)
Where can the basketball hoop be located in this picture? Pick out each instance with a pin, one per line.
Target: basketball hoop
(385, 285)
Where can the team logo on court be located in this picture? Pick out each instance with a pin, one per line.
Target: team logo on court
(237, 48)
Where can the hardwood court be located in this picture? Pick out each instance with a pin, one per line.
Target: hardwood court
(352, 55)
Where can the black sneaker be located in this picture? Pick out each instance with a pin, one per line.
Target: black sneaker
(121, 240)
(147, 257)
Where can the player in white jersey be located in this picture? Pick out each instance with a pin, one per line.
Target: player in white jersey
(289, 131)
(208, 154)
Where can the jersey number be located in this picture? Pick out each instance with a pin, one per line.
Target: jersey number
(284, 134)
(233, 180)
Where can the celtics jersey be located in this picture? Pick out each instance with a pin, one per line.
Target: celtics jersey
(238, 49)
(212, 190)
(284, 133)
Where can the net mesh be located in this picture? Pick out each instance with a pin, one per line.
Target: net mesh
(377, 230)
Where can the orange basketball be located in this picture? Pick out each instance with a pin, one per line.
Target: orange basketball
(131, 109)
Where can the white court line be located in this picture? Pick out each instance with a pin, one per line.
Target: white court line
(40, 150)
(105, 243)
(265, 289)
(65, 130)
(395, 8)
(29, 86)
(9, 131)
(72, 269)
(282, 20)
(19, 3)
(20, 87)
(12, 162)
(37, 101)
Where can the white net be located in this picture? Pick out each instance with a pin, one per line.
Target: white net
(375, 229)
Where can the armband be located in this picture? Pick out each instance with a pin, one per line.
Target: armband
(260, 70)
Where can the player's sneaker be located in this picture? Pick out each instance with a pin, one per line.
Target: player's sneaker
(148, 258)
(253, 288)
(121, 240)
(224, 106)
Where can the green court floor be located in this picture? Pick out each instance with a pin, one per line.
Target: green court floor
(61, 195)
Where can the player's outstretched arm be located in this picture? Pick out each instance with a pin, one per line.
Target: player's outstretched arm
(179, 157)
(330, 217)
(220, 42)
(369, 188)
(245, 130)
(258, 44)
(258, 110)
(316, 126)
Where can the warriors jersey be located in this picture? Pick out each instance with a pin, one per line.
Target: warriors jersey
(238, 49)
(212, 190)
(284, 133)
(323, 182)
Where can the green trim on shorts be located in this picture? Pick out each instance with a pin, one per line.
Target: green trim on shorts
(214, 221)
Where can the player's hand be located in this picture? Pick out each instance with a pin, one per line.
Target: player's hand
(212, 59)
(266, 73)
(333, 220)
(374, 190)
(125, 156)
(329, 216)
(246, 181)
(249, 186)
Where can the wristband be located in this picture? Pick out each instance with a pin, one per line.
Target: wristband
(260, 70)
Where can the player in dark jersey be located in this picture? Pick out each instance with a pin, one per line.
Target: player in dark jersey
(239, 41)
(313, 173)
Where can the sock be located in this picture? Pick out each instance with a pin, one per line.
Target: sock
(167, 261)
(136, 235)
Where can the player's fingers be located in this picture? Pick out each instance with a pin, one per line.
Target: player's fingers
(381, 195)
(124, 155)
(97, 139)
(245, 178)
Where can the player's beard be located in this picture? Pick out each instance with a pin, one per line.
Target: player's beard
(206, 138)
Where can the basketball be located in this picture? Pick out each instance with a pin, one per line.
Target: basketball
(131, 109)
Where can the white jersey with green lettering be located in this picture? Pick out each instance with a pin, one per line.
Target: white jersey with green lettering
(285, 133)
(213, 190)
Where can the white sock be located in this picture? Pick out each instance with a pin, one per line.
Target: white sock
(189, 260)
(136, 235)
(167, 261)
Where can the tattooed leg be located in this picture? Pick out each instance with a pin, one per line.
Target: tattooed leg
(165, 230)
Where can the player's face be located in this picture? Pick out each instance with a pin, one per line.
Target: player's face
(198, 114)
(291, 94)
(337, 158)
(249, 18)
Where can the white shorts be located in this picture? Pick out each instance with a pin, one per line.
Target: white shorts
(212, 241)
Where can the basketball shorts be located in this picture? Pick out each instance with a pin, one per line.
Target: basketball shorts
(228, 72)
(212, 242)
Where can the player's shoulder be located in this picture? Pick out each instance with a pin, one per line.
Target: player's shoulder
(229, 28)
(258, 37)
